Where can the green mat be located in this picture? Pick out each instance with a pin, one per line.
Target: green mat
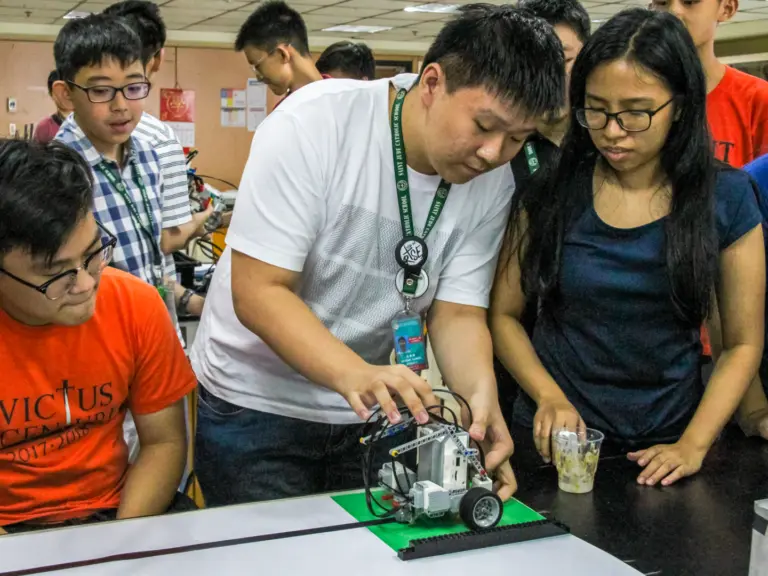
(398, 536)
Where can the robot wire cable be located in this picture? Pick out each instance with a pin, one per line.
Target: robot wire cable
(203, 176)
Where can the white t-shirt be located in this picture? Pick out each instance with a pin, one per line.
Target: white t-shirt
(318, 197)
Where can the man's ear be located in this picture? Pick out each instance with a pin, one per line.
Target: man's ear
(728, 9)
(62, 95)
(431, 80)
(286, 52)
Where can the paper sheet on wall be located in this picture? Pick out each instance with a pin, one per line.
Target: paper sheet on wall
(257, 103)
(233, 118)
(233, 104)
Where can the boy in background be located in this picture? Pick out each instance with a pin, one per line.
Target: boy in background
(275, 43)
(571, 23)
(352, 60)
(46, 129)
(737, 103)
(753, 412)
(99, 59)
(179, 224)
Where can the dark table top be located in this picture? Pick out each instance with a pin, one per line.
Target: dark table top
(700, 526)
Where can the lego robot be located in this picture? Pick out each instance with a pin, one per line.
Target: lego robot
(441, 483)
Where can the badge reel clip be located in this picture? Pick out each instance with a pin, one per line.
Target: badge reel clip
(407, 327)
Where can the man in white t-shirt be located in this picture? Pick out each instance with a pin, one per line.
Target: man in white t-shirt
(293, 348)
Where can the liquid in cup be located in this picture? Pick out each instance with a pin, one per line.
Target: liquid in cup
(576, 459)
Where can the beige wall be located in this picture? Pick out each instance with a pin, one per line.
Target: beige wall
(24, 68)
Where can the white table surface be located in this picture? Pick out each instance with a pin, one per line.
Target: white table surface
(352, 552)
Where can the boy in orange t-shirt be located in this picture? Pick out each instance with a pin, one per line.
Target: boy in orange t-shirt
(79, 344)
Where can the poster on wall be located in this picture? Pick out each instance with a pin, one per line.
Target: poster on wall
(177, 109)
(257, 103)
(233, 108)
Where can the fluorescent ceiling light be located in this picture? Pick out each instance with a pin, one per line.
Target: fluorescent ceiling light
(75, 14)
(437, 8)
(353, 29)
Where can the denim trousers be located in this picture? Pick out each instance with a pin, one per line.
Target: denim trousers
(244, 455)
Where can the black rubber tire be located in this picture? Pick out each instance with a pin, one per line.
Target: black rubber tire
(480, 496)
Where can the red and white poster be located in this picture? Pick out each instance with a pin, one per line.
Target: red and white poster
(177, 109)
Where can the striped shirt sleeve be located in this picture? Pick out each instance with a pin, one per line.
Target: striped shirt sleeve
(173, 166)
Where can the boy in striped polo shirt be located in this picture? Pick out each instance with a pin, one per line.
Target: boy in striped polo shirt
(179, 224)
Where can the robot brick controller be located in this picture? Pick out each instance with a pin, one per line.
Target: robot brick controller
(441, 483)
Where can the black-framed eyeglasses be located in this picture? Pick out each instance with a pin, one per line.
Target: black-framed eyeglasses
(61, 284)
(628, 120)
(101, 94)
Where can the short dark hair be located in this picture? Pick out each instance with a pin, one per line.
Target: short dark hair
(569, 12)
(45, 191)
(273, 23)
(353, 59)
(145, 19)
(89, 41)
(52, 77)
(507, 51)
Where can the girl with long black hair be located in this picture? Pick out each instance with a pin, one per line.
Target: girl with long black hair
(636, 239)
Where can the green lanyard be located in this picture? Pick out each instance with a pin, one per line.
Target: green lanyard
(411, 252)
(531, 157)
(117, 183)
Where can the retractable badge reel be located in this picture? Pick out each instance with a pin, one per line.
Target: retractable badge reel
(412, 282)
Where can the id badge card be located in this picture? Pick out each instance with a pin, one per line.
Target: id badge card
(410, 347)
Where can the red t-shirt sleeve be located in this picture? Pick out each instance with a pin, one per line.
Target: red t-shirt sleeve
(163, 373)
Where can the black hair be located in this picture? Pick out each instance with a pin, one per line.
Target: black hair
(507, 51)
(145, 19)
(569, 12)
(273, 23)
(45, 191)
(89, 41)
(659, 43)
(354, 60)
(52, 77)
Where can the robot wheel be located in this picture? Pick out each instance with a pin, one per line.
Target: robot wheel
(480, 508)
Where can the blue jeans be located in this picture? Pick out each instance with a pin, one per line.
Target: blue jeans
(244, 455)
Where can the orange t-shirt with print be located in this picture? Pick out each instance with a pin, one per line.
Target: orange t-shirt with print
(63, 395)
(737, 112)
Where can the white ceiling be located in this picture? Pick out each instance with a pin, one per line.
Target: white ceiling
(187, 17)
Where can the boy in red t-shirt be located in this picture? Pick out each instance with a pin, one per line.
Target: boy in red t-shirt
(737, 103)
(79, 344)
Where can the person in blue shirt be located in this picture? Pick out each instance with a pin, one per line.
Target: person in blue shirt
(753, 412)
(636, 239)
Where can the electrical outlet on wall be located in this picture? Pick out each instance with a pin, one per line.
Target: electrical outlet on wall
(11, 104)
(12, 130)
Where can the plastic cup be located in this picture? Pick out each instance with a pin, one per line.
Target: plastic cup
(576, 459)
